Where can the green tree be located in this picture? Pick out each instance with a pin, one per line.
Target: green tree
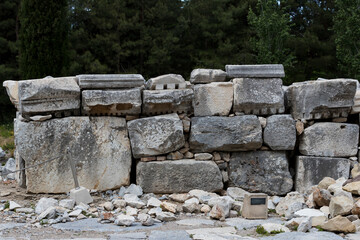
(347, 29)
(272, 32)
(43, 38)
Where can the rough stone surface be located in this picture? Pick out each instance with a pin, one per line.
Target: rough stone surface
(353, 187)
(270, 227)
(322, 197)
(165, 81)
(286, 202)
(308, 212)
(326, 182)
(156, 135)
(339, 224)
(156, 102)
(256, 71)
(340, 205)
(172, 234)
(101, 164)
(178, 176)
(280, 132)
(236, 193)
(111, 102)
(213, 99)
(45, 203)
(124, 220)
(239, 133)
(311, 170)
(261, 171)
(302, 236)
(322, 139)
(200, 75)
(321, 99)
(49, 96)
(12, 89)
(110, 81)
(258, 96)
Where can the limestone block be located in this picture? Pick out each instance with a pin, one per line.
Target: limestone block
(311, 170)
(200, 75)
(280, 132)
(110, 81)
(259, 96)
(261, 171)
(213, 99)
(339, 224)
(321, 99)
(111, 102)
(356, 107)
(326, 139)
(56, 96)
(178, 176)
(99, 147)
(257, 71)
(168, 81)
(12, 88)
(239, 133)
(156, 135)
(167, 101)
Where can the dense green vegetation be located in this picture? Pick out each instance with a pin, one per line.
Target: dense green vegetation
(312, 38)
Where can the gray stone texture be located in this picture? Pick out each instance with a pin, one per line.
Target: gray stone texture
(201, 75)
(49, 96)
(327, 139)
(111, 102)
(12, 89)
(257, 71)
(167, 101)
(213, 99)
(280, 132)
(168, 81)
(259, 96)
(261, 171)
(178, 176)
(110, 81)
(321, 99)
(99, 147)
(239, 133)
(156, 135)
(311, 170)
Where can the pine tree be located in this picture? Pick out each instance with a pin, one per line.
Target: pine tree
(43, 38)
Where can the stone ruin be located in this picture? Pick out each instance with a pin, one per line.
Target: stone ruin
(240, 127)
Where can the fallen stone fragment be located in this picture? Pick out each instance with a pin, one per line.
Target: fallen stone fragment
(168, 81)
(308, 212)
(45, 203)
(67, 203)
(108, 206)
(153, 202)
(355, 171)
(290, 199)
(353, 187)
(326, 182)
(134, 189)
(166, 216)
(337, 186)
(356, 208)
(25, 210)
(205, 209)
(119, 203)
(280, 132)
(13, 205)
(340, 205)
(236, 193)
(110, 81)
(124, 220)
(167, 206)
(256, 71)
(49, 213)
(130, 211)
(145, 219)
(322, 197)
(40, 118)
(133, 201)
(200, 75)
(179, 197)
(12, 89)
(339, 224)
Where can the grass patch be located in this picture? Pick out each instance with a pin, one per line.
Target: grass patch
(271, 211)
(319, 228)
(260, 230)
(7, 138)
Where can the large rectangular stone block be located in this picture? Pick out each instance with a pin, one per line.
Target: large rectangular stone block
(111, 102)
(261, 171)
(57, 96)
(280, 132)
(178, 176)
(259, 96)
(311, 170)
(321, 99)
(327, 139)
(213, 99)
(99, 147)
(239, 133)
(167, 101)
(257, 71)
(110, 81)
(156, 135)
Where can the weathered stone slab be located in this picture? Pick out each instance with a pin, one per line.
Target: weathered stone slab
(111, 102)
(58, 96)
(321, 99)
(178, 176)
(156, 135)
(12, 89)
(356, 107)
(326, 139)
(213, 99)
(110, 81)
(168, 81)
(167, 101)
(261, 171)
(280, 132)
(258, 71)
(99, 147)
(311, 170)
(259, 96)
(239, 133)
(200, 75)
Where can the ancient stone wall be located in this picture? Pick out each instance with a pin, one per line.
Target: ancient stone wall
(240, 127)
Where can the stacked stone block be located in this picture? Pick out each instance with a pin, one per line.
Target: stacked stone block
(222, 128)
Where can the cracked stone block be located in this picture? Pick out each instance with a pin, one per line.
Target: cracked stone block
(110, 81)
(280, 132)
(207, 76)
(321, 99)
(255, 71)
(259, 96)
(167, 101)
(168, 81)
(111, 102)
(311, 170)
